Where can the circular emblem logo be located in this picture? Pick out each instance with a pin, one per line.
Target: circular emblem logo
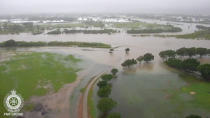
(13, 102)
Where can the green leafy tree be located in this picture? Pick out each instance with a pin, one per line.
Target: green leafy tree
(182, 51)
(167, 54)
(202, 51)
(111, 50)
(193, 116)
(127, 50)
(114, 71)
(104, 91)
(173, 62)
(129, 62)
(102, 83)
(191, 51)
(190, 64)
(140, 59)
(114, 115)
(106, 104)
(9, 43)
(205, 71)
(106, 77)
(148, 57)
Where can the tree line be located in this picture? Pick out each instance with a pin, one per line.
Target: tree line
(106, 104)
(13, 43)
(189, 63)
(146, 57)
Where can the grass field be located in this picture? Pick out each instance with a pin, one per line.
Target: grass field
(35, 74)
(91, 104)
(196, 94)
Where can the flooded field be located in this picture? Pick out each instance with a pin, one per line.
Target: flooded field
(147, 91)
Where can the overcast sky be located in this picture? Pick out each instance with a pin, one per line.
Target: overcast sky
(105, 6)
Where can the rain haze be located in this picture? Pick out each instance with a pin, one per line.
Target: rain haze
(105, 6)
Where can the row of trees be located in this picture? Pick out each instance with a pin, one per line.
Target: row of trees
(189, 64)
(106, 104)
(184, 52)
(146, 57)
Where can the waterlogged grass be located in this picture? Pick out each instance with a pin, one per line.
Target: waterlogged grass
(202, 34)
(35, 74)
(53, 43)
(201, 90)
(91, 104)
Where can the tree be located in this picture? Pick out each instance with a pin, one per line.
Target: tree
(176, 63)
(129, 62)
(114, 115)
(193, 116)
(127, 50)
(191, 51)
(140, 59)
(102, 83)
(106, 77)
(167, 54)
(104, 91)
(106, 104)
(9, 43)
(190, 64)
(111, 50)
(201, 51)
(182, 51)
(114, 71)
(205, 71)
(148, 57)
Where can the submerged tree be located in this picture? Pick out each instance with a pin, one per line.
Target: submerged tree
(114, 71)
(182, 51)
(190, 64)
(140, 59)
(173, 62)
(106, 77)
(127, 50)
(106, 104)
(111, 50)
(102, 83)
(148, 57)
(167, 54)
(202, 51)
(191, 51)
(104, 91)
(129, 62)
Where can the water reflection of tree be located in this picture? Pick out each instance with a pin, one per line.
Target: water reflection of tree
(146, 66)
(143, 66)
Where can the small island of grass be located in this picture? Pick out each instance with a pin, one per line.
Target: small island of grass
(13, 43)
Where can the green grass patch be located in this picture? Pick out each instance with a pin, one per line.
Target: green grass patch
(13, 43)
(184, 97)
(91, 104)
(34, 74)
(202, 34)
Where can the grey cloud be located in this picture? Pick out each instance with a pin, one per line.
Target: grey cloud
(108, 6)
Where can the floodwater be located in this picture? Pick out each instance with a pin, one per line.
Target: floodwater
(142, 92)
